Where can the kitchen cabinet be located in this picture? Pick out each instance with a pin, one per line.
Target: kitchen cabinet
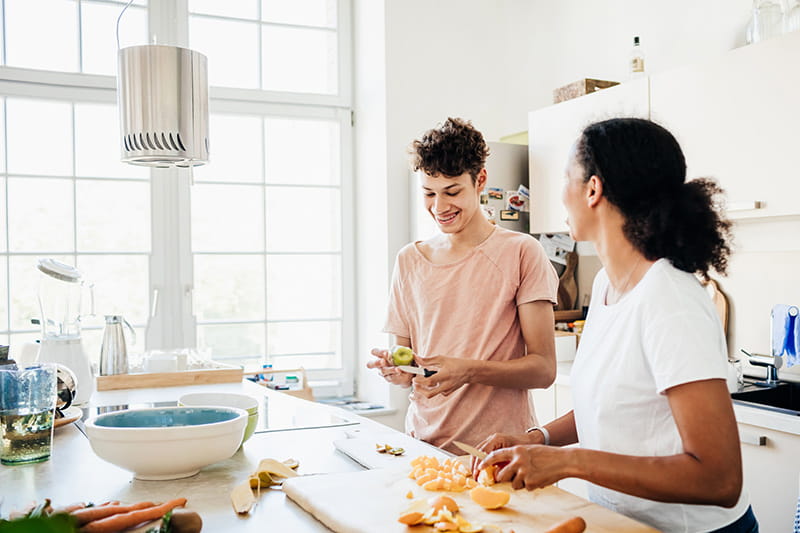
(552, 131)
(737, 118)
(771, 464)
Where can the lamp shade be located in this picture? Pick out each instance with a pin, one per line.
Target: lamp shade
(163, 103)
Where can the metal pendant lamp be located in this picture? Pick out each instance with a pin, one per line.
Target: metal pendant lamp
(162, 93)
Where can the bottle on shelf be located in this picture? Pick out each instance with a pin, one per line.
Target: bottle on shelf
(637, 59)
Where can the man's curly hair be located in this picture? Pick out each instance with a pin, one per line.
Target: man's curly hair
(451, 149)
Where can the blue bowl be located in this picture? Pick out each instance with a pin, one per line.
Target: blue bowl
(167, 442)
(161, 417)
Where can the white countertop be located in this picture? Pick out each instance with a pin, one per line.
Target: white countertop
(74, 473)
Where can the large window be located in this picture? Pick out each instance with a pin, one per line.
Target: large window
(269, 237)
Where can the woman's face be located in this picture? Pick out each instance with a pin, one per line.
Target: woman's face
(573, 196)
(453, 202)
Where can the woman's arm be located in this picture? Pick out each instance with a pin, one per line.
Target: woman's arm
(536, 369)
(708, 471)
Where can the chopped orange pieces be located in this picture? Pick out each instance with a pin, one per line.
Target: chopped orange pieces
(448, 475)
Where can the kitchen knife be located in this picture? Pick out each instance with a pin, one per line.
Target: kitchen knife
(473, 451)
(417, 370)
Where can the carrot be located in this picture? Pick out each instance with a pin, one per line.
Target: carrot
(69, 508)
(122, 521)
(89, 514)
(575, 524)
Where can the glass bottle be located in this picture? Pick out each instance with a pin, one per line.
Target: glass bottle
(637, 59)
(791, 21)
(767, 20)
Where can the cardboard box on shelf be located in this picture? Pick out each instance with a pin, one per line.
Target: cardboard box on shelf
(579, 88)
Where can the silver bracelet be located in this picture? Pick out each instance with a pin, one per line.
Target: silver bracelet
(544, 432)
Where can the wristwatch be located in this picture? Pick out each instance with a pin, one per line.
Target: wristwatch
(545, 433)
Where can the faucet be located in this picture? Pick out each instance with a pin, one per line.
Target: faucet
(771, 362)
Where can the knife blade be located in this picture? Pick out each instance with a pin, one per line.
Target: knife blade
(473, 451)
(417, 370)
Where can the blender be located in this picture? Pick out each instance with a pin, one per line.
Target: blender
(60, 291)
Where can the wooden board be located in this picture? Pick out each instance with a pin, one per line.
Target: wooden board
(370, 501)
(720, 302)
(200, 376)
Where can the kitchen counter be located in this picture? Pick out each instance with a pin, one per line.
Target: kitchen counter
(74, 473)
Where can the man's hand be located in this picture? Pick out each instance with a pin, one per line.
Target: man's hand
(451, 374)
(392, 374)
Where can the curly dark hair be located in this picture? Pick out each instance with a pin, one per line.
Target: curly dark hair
(643, 171)
(451, 149)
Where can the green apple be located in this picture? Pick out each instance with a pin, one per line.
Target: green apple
(402, 355)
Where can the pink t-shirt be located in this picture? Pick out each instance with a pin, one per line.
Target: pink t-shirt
(469, 309)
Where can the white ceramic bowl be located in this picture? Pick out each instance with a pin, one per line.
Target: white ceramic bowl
(226, 399)
(167, 442)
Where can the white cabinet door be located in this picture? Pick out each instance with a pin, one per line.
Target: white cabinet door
(771, 475)
(552, 131)
(738, 121)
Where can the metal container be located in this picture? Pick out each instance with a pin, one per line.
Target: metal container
(114, 351)
(163, 102)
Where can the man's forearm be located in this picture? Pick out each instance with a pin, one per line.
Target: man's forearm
(532, 371)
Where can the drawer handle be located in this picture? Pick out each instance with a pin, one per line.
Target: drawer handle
(753, 438)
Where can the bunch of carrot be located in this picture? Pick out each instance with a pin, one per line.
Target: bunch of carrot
(112, 517)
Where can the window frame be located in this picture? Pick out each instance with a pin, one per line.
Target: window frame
(171, 256)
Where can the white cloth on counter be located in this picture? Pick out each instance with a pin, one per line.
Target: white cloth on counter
(786, 333)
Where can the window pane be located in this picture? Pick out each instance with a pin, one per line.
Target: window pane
(113, 216)
(305, 12)
(229, 287)
(121, 286)
(302, 286)
(227, 218)
(24, 282)
(33, 149)
(306, 338)
(42, 34)
(3, 298)
(247, 9)
(40, 215)
(99, 33)
(302, 152)
(233, 343)
(3, 241)
(97, 144)
(299, 60)
(231, 48)
(235, 150)
(2, 134)
(303, 219)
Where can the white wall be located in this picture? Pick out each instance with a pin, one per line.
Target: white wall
(558, 42)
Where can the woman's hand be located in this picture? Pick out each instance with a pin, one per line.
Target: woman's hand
(385, 366)
(530, 466)
(503, 440)
(451, 374)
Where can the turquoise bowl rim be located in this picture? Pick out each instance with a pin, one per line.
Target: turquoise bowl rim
(100, 421)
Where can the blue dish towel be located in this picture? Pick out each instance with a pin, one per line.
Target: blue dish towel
(786, 333)
(797, 517)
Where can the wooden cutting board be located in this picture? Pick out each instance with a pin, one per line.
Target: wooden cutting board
(371, 501)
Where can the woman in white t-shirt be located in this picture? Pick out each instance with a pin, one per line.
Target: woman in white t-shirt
(652, 413)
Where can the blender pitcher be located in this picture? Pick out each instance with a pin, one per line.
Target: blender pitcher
(60, 292)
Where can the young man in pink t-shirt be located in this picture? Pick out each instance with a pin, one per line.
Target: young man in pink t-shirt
(474, 303)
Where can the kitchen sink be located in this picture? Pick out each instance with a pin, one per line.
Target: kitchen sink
(784, 397)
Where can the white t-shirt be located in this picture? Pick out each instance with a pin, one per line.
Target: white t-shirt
(662, 333)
